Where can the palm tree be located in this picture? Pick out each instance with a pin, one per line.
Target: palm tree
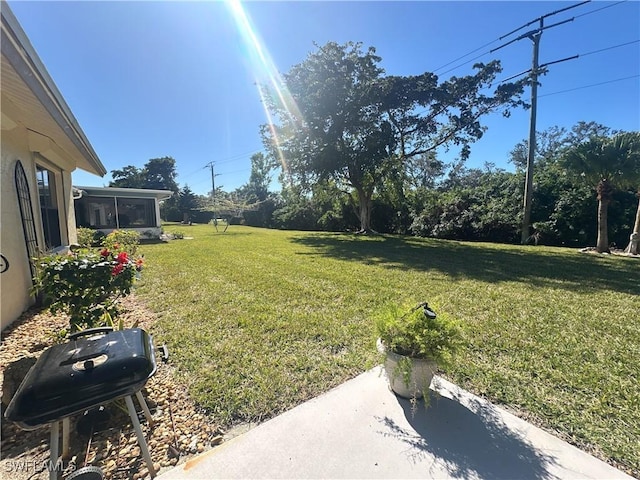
(607, 163)
(634, 238)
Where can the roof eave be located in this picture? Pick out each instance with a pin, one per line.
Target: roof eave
(18, 50)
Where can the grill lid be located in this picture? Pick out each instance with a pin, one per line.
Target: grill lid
(85, 372)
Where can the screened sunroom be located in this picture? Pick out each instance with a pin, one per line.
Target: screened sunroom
(107, 209)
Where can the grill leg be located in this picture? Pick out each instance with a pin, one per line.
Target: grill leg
(141, 440)
(54, 450)
(145, 407)
(66, 422)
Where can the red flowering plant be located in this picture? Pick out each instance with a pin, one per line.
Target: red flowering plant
(87, 284)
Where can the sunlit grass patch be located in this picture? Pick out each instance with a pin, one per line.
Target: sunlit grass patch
(261, 320)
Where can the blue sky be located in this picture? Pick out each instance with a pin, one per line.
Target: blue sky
(153, 79)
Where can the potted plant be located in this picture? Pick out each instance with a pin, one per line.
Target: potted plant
(415, 341)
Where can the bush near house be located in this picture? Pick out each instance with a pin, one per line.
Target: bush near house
(87, 283)
(86, 237)
(124, 240)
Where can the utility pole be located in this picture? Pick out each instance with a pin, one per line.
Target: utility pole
(535, 36)
(528, 186)
(213, 194)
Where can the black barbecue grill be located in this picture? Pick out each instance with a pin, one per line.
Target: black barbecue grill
(97, 366)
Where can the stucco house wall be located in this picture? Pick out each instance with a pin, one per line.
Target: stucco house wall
(39, 132)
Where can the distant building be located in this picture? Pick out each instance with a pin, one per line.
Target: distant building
(108, 209)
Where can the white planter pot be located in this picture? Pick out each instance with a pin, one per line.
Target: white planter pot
(408, 377)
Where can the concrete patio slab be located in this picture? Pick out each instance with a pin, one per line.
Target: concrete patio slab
(362, 430)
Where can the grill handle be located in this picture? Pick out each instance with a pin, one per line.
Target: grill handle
(90, 331)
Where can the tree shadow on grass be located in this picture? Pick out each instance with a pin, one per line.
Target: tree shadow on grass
(481, 261)
(467, 442)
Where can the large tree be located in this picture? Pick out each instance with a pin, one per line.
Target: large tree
(127, 177)
(554, 141)
(157, 174)
(187, 203)
(606, 163)
(160, 174)
(257, 189)
(350, 123)
(634, 240)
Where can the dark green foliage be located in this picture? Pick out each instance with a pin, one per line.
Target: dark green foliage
(478, 206)
(607, 164)
(169, 211)
(128, 177)
(157, 174)
(187, 203)
(407, 330)
(297, 213)
(201, 216)
(85, 236)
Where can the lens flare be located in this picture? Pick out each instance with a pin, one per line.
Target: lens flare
(263, 67)
(274, 133)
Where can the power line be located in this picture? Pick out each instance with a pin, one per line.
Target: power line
(555, 12)
(506, 35)
(519, 28)
(466, 55)
(588, 86)
(570, 58)
(468, 61)
(536, 31)
(608, 48)
(601, 8)
(235, 171)
(225, 160)
(193, 173)
(239, 155)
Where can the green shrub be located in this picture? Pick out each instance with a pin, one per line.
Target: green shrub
(122, 240)
(86, 284)
(85, 236)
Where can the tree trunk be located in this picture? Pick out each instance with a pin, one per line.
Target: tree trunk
(602, 244)
(364, 207)
(634, 239)
(605, 193)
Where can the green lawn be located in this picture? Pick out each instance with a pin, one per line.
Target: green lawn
(260, 320)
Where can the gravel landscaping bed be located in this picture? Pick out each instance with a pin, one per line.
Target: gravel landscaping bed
(180, 428)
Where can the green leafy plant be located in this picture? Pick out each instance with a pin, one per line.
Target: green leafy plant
(86, 236)
(122, 240)
(86, 284)
(414, 332)
(415, 341)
